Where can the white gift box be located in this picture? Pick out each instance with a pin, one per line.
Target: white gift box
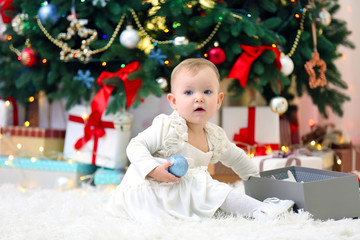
(266, 123)
(6, 113)
(323, 160)
(107, 151)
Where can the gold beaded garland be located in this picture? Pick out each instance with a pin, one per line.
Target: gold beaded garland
(298, 35)
(199, 46)
(85, 52)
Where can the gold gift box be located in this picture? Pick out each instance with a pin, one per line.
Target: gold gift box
(31, 141)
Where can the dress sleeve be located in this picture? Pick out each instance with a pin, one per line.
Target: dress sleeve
(141, 148)
(236, 158)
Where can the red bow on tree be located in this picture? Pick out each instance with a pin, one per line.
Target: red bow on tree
(241, 68)
(7, 11)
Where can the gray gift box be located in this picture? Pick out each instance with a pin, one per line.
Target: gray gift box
(324, 194)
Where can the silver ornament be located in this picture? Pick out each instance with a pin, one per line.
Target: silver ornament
(180, 41)
(325, 17)
(129, 37)
(162, 82)
(287, 65)
(279, 105)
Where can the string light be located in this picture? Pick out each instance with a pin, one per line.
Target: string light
(312, 143)
(44, 60)
(26, 123)
(84, 116)
(41, 149)
(31, 99)
(33, 159)
(7, 103)
(103, 64)
(311, 122)
(19, 146)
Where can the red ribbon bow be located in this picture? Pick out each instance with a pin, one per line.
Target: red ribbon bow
(7, 11)
(242, 66)
(94, 127)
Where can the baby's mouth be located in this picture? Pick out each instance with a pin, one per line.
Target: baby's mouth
(199, 109)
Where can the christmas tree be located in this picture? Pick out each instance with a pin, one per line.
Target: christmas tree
(64, 47)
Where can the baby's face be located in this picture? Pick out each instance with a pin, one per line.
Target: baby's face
(196, 96)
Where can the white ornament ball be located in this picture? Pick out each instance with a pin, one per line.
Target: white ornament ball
(181, 41)
(162, 82)
(325, 17)
(287, 65)
(129, 37)
(279, 105)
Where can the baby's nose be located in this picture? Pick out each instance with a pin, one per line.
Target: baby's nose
(199, 98)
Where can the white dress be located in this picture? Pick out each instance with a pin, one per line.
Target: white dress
(197, 195)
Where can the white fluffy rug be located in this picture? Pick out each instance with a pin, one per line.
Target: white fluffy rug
(80, 214)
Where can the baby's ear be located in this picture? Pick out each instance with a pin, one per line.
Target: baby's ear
(220, 99)
(172, 101)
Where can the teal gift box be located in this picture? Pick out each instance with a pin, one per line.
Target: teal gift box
(45, 173)
(104, 176)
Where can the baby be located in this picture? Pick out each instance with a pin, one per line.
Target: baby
(149, 189)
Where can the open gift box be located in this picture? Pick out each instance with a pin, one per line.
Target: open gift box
(324, 194)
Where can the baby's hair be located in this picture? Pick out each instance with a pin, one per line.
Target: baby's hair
(194, 65)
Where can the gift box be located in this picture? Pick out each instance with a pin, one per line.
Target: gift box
(8, 113)
(252, 126)
(103, 145)
(324, 194)
(45, 173)
(347, 158)
(31, 141)
(323, 160)
(104, 176)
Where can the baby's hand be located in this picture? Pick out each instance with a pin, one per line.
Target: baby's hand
(161, 173)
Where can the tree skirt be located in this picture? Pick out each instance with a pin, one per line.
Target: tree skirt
(80, 214)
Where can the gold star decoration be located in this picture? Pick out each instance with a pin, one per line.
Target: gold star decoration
(77, 26)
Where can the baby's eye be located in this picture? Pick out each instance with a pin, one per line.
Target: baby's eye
(207, 91)
(188, 92)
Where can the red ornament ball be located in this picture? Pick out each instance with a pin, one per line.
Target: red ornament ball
(217, 56)
(28, 57)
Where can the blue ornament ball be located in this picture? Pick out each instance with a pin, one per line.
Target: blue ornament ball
(180, 165)
(48, 14)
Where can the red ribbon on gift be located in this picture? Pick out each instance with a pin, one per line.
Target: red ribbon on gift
(92, 132)
(15, 110)
(7, 11)
(94, 127)
(247, 135)
(241, 68)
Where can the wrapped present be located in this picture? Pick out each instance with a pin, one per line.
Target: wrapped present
(347, 157)
(31, 141)
(29, 172)
(103, 145)
(104, 176)
(102, 139)
(8, 112)
(252, 127)
(300, 157)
